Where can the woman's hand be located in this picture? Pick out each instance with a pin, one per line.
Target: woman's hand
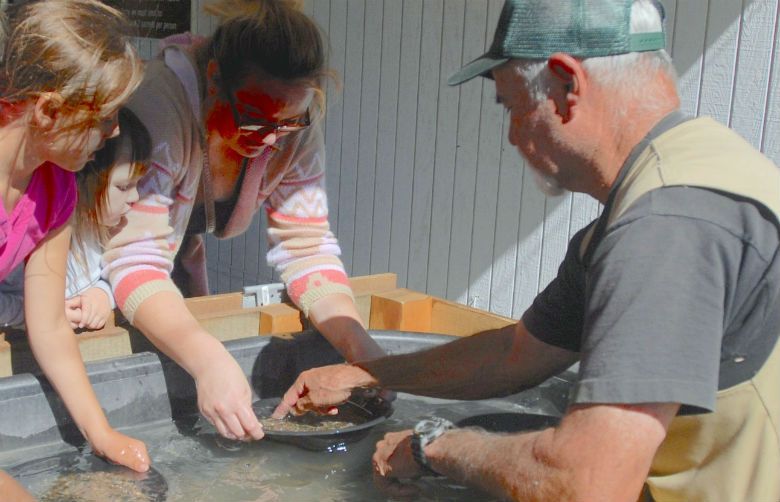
(120, 449)
(225, 399)
(224, 395)
(90, 309)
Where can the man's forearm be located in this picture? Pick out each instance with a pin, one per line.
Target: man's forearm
(474, 367)
(513, 467)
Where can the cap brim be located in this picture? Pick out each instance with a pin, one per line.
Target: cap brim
(480, 67)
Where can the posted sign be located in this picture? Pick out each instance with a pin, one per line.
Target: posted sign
(156, 18)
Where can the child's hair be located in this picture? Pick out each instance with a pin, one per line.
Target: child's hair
(77, 48)
(272, 37)
(93, 181)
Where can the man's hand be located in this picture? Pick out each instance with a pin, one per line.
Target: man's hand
(120, 449)
(393, 456)
(225, 399)
(90, 309)
(394, 465)
(321, 389)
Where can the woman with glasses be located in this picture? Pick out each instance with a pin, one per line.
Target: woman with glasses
(235, 124)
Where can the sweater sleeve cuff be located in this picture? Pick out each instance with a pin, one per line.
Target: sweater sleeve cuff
(306, 290)
(144, 292)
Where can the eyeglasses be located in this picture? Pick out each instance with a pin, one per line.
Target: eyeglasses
(265, 127)
(256, 125)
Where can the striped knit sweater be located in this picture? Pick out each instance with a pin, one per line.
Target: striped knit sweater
(289, 183)
(138, 260)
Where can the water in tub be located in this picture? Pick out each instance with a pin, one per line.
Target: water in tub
(195, 464)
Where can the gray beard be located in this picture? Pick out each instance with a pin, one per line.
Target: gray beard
(547, 184)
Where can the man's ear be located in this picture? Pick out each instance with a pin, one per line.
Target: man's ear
(568, 83)
(48, 107)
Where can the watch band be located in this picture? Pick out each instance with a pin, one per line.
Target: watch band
(425, 432)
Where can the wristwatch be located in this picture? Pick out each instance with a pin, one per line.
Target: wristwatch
(425, 432)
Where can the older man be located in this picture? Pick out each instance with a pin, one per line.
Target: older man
(670, 301)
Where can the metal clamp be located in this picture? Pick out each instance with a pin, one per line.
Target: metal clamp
(263, 294)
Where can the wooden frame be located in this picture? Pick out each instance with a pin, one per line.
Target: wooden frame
(381, 304)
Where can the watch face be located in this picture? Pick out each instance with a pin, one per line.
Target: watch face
(430, 426)
(426, 426)
(426, 431)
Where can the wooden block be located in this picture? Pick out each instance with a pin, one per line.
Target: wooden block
(376, 283)
(363, 305)
(401, 309)
(452, 318)
(280, 318)
(110, 341)
(231, 324)
(213, 304)
(6, 369)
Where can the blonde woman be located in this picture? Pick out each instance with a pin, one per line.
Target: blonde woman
(65, 73)
(235, 121)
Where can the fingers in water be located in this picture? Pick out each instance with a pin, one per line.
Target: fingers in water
(234, 426)
(250, 424)
(222, 429)
(394, 488)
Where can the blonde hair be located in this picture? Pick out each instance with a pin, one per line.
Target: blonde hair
(269, 38)
(77, 48)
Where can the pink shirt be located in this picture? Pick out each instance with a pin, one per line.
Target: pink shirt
(46, 205)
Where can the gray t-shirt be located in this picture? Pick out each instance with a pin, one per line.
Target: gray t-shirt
(680, 299)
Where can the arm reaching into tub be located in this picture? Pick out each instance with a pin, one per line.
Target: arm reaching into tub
(138, 261)
(598, 452)
(504, 361)
(224, 395)
(55, 348)
(12, 490)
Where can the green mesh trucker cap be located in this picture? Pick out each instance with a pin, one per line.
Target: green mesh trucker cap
(537, 29)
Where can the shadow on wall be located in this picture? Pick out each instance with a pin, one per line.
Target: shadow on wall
(421, 179)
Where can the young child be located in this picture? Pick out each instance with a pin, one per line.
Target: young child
(107, 188)
(66, 71)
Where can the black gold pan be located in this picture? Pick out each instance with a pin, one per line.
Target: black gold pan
(311, 431)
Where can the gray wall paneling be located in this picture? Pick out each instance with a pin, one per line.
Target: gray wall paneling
(421, 178)
(425, 145)
(410, 92)
(366, 190)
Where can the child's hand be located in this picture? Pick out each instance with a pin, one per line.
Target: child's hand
(95, 308)
(73, 311)
(90, 309)
(120, 449)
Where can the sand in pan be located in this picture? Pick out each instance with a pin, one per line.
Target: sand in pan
(305, 423)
